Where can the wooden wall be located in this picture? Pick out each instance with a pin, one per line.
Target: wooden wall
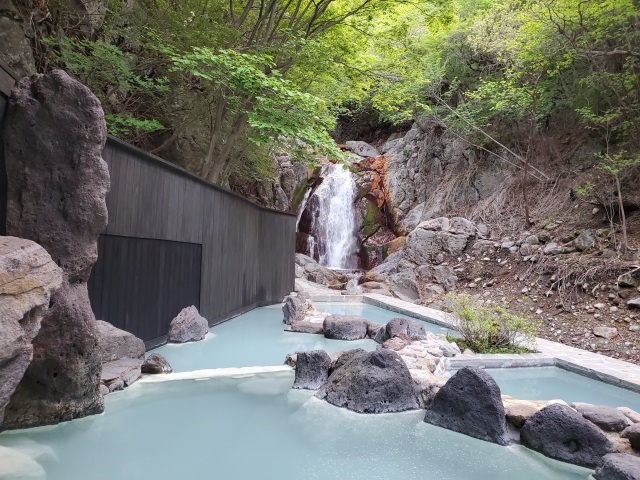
(243, 253)
(7, 80)
(174, 240)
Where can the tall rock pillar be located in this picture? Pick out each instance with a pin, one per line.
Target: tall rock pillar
(54, 136)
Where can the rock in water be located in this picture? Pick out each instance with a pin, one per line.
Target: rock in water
(312, 369)
(294, 309)
(470, 403)
(632, 434)
(413, 329)
(607, 418)
(559, 432)
(188, 326)
(155, 364)
(28, 277)
(116, 344)
(345, 327)
(370, 382)
(618, 466)
(57, 183)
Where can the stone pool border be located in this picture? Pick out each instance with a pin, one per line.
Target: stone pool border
(552, 354)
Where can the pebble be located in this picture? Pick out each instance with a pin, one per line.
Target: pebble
(634, 328)
(599, 306)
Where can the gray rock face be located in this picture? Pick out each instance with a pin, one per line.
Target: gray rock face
(370, 382)
(345, 327)
(155, 364)
(57, 183)
(28, 277)
(440, 274)
(585, 240)
(58, 180)
(607, 418)
(188, 326)
(425, 246)
(115, 343)
(559, 432)
(294, 309)
(470, 403)
(618, 466)
(417, 171)
(15, 48)
(362, 149)
(312, 369)
(412, 329)
(632, 434)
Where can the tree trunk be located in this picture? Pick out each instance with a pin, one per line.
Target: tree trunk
(623, 217)
(238, 128)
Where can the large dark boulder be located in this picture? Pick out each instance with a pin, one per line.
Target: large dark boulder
(188, 326)
(345, 327)
(618, 466)
(312, 369)
(412, 329)
(57, 184)
(559, 432)
(470, 403)
(370, 382)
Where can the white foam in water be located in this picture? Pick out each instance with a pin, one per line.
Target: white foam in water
(257, 427)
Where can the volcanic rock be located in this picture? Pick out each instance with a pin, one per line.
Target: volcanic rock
(470, 403)
(370, 382)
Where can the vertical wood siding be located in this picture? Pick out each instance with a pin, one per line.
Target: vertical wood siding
(245, 252)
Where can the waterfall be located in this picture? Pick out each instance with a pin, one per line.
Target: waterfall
(301, 208)
(334, 219)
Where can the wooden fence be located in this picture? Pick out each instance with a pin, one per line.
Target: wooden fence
(175, 240)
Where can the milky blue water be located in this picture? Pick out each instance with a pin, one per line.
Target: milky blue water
(548, 383)
(257, 338)
(258, 428)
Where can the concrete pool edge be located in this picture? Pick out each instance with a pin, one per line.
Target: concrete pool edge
(592, 365)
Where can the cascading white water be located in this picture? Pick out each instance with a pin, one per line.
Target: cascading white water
(334, 221)
(301, 208)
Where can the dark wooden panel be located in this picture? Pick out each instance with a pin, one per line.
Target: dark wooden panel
(140, 285)
(3, 171)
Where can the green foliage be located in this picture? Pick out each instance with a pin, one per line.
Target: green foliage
(219, 75)
(111, 74)
(585, 190)
(126, 126)
(491, 329)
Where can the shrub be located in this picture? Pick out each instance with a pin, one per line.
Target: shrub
(492, 329)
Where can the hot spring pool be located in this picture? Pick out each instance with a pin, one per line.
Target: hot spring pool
(256, 427)
(257, 338)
